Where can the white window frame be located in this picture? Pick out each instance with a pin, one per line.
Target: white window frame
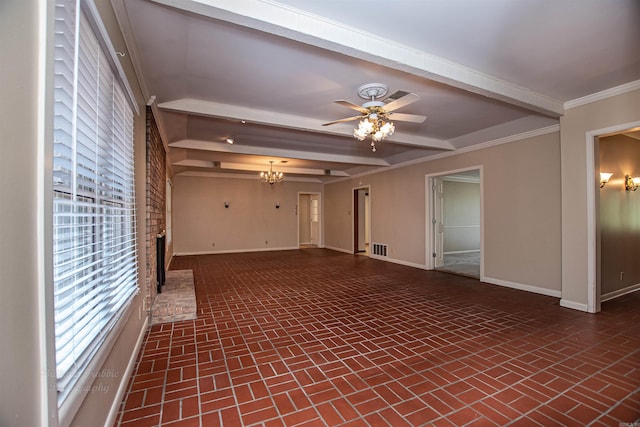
(66, 408)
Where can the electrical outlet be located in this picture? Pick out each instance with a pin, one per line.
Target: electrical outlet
(213, 244)
(266, 242)
(622, 275)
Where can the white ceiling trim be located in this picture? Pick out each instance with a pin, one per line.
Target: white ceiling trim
(317, 31)
(280, 168)
(603, 94)
(241, 176)
(221, 147)
(288, 121)
(480, 146)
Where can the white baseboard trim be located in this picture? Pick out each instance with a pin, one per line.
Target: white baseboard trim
(124, 382)
(237, 251)
(574, 305)
(399, 261)
(522, 287)
(620, 292)
(471, 251)
(333, 248)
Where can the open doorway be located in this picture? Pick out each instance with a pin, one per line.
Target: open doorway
(361, 221)
(309, 220)
(612, 214)
(454, 222)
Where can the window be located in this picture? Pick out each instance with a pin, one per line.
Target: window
(94, 235)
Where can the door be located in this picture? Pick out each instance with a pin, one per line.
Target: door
(304, 219)
(360, 220)
(438, 222)
(314, 212)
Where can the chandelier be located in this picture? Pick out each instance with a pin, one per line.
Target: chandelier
(375, 128)
(271, 177)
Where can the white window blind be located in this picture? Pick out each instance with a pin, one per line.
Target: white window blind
(94, 235)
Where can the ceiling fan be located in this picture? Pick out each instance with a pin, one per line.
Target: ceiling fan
(374, 114)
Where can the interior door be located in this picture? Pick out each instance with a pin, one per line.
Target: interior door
(315, 218)
(304, 219)
(438, 222)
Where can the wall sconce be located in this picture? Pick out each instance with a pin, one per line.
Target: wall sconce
(604, 178)
(631, 183)
(277, 205)
(226, 205)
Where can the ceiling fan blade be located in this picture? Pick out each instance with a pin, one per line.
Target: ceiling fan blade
(352, 106)
(415, 118)
(347, 119)
(401, 102)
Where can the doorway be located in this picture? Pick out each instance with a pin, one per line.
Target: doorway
(611, 215)
(309, 219)
(361, 221)
(454, 222)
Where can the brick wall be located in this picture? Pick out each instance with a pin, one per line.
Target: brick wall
(156, 212)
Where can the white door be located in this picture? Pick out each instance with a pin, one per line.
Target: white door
(438, 222)
(315, 218)
(304, 219)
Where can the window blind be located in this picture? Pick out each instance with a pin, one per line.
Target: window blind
(94, 234)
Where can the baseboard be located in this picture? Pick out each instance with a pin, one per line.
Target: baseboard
(399, 261)
(472, 251)
(122, 389)
(237, 251)
(574, 305)
(346, 251)
(522, 287)
(620, 292)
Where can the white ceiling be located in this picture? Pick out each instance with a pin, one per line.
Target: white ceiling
(266, 73)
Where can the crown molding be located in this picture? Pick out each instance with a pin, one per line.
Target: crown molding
(603, 94)
(481, 146)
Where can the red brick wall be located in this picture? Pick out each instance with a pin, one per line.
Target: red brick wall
(155, 209)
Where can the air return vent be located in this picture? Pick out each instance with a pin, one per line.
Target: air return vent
(379, 249)
(396, 95)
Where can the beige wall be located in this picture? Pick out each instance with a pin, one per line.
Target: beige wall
(20, 370)
(619, 215)
(574, 126)
(202, 224)
(521, 199)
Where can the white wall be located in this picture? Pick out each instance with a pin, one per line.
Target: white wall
(203, 225)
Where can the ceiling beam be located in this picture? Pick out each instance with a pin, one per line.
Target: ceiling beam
(281, 168)
(289, 121)
(221, 147)
(314, 30)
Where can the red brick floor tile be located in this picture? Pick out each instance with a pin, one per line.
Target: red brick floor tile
(150, 421)
(322, 338)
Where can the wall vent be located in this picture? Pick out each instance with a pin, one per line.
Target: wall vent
(379, 249)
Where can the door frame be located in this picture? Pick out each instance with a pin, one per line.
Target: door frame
(356, 218)
(430, 246)
(592, 181)
(320, 213)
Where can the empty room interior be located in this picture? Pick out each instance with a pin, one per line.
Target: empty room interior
(304, 213)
